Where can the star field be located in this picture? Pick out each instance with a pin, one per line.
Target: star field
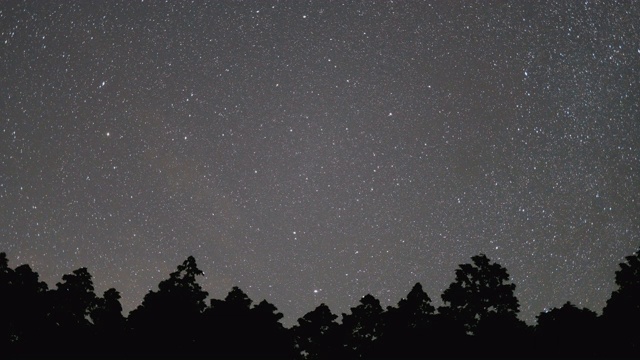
(316, 151)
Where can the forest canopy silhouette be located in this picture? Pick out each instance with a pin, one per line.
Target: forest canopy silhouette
(479, 317)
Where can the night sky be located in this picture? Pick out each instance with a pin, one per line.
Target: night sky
(317, 151)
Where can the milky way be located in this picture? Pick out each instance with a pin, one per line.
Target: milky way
(318, 151)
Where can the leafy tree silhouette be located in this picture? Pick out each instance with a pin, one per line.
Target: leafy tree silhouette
(168, 320)
(6, 305)
(415, 311)
(568, 332)
(268, 335)
(5, 272)
(226, 322)
(107, 312)
(69, 309)
(28, 306)
(622, 311)
(21, 308)
(514, 336)
(407, 325)
(236, 300)
(74, 300)
(231, 315)
(316, 335)
(237, 330)
(479, 319)
(480, 290)
(109, 324)
(363, 327)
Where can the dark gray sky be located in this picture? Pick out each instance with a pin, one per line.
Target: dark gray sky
(318, 151)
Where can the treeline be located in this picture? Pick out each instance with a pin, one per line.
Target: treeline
(479, 319)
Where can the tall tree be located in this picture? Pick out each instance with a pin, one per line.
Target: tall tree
(622, 311)
(568, 332)
(415, 310)
(236, 299)
(5, 270)
(109, 324)
(480, 290)
(69, 308)
(363, 327)
(316, 335)
(21, 307)
(267, 334)
(227, 325)
(108, 311)
(234, 329)
(625, 301)
(74, 299)
(6, 303)
(169, 318)
(407, 325)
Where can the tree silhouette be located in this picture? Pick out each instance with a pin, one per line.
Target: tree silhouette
(568, 332)
(363, 327)
(502, 335)
(74, 299)
(109, 324)
(415, 311)
(236, 300)
(6, 306)
(268, 336)
(236, 330)
(5, 271)
(316, 335)
(480, 290)
(167, 320)
(226, 323)
(69, 309)
(479, 319)
(22, 312)
(407, 325)
(622, 311)
(108, 311)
